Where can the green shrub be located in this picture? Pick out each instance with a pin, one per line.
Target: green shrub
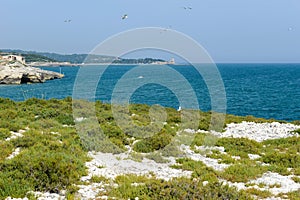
(199, 169)
(98, 179)
(296, 179)
(297, 171)
(199, 139)
(6, 149)
(280, 169)
(224, 158)
(283, 144)
(65, 118)
(296, 122)
(157, 142)
(240, 146)
(43, 169)
(285, 159)
(179, 188)
(297, 131)
(4, 133)
(258, 193)
(42, 124)
(243, 172)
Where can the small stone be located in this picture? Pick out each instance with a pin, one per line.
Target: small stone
(204, 183)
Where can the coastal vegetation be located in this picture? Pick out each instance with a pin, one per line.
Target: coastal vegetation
(33, 56)
(53, 154)
(29, 57)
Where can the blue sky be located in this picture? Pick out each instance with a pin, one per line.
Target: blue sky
(231, 30)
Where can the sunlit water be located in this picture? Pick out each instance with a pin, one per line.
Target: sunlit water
(262, 90)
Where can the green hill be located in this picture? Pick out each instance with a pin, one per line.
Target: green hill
(30, 57)
(33, 56)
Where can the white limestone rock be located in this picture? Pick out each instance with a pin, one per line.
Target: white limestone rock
(18, 73)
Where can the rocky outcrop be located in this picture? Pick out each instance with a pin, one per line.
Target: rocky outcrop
(18, 73)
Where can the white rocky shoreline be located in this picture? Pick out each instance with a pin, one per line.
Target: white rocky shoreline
(112, 165)
(18, 73)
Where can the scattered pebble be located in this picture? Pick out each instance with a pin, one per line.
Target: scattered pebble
(204, 183)
(15, 153)
(79, 119)
(15, 135)
(236, 157)
(253, 156)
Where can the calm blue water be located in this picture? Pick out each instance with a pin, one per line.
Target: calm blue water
(262, 90)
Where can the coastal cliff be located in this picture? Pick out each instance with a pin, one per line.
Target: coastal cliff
(18, 73)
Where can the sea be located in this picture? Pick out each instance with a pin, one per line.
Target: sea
(270, 91)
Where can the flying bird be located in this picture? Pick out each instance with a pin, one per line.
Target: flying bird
(187, 8)
(125, 16)
(68, 20)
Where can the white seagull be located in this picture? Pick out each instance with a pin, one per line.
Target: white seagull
(125, 16)
(179, 109)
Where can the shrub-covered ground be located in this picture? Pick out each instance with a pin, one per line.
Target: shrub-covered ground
(52, 152)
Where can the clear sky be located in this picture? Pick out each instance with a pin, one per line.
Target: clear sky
(230, 30)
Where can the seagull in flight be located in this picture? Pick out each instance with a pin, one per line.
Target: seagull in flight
(125, 16)
(68, 20)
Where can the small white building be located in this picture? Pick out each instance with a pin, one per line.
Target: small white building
(21, 59)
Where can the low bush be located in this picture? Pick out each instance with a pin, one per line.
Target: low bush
(243, 172)
(4, 133)
(239, 147)
(199, 169)
(6, 149)
(179, 188)
(157, 142)
(286, 159)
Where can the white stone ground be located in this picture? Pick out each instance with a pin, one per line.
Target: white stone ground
(110, 166)
(258, 131)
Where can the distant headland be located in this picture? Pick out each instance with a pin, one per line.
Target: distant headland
(33, 58)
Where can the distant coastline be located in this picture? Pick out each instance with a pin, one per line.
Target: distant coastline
(64, 64)
(33, 58)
